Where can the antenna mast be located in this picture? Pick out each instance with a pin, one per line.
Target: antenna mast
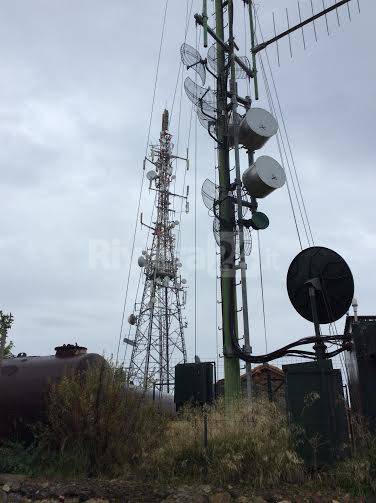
(226, 218)
(159, 342)
(249, 129)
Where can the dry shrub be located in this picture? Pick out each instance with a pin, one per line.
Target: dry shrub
(249, 442)
(95, 426)
(357, 474)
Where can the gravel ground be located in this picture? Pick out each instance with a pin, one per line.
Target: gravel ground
(20, 489)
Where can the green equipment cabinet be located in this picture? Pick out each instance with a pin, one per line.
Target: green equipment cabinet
(316, 406)
(194, 384)
(361, 368)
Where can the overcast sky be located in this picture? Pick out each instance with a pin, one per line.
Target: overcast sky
(75, 97)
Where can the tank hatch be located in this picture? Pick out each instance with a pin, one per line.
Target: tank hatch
(69, 350)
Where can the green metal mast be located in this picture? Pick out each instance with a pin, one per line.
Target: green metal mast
(227, 221)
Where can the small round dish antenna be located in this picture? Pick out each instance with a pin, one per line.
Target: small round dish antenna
(191, 58)
(263, 177)
(141, 261)
(334, 284)
(151, 175)
(259, 221)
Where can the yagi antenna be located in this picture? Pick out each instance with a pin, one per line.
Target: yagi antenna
(277, 46)
(326, 17)
(302, 23)
(300, 20)
(288, 28)
(314, 23)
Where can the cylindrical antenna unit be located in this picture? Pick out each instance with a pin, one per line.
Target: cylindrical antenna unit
(165, 121)
(263, 177)
(256, 128)
(355, 308)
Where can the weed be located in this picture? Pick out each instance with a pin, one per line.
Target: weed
(95, 425)
(251, 442)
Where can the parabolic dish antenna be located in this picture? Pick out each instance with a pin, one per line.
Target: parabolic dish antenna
(247, 236)
(205, 101)
(212, 62)
(336, 285)
(207, 115)
(191, 58)
(197, 93)
(209, 193)
(216, 231)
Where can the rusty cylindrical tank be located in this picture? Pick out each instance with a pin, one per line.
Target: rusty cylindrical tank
(25, 382)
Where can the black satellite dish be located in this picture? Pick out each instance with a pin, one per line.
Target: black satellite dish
(332, 280)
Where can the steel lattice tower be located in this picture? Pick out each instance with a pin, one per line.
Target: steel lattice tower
(159, 339)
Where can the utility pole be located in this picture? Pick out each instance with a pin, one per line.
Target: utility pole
(227, 221)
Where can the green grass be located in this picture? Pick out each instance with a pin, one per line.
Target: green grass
(17, 458)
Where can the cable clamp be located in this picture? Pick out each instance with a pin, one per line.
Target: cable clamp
(242, 266)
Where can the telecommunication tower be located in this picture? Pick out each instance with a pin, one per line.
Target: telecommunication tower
(159, 344)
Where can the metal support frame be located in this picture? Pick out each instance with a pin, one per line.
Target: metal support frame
(159, 341)
(314, 285)
(227, 219)
(238, 183)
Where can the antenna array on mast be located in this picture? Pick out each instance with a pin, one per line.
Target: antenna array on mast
(234, 129)
(158, 343)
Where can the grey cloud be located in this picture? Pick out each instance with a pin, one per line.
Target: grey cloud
(75, 96)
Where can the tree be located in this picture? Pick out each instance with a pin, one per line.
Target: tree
(6, 321)
(8, 349)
